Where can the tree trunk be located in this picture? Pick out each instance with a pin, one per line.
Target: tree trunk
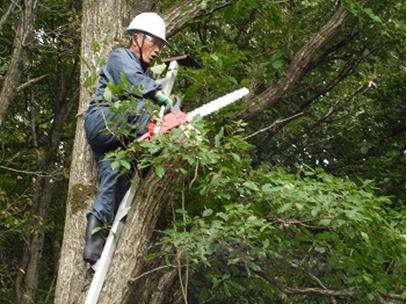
(153, 195)
(73, 280)
(42, 198)
(102, 22)
(24, 34)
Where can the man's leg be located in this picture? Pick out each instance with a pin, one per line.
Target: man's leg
(110, 192)
(112, 187)
(107, 197)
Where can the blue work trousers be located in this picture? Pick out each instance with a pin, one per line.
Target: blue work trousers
(112, 187)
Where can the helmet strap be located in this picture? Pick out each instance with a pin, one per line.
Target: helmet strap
(140, 48)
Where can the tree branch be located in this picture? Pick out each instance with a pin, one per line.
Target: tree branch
(298, 65)
(311, 290)
(39, 174)
(7, 14)
(279, 121)
(180, 15)
(30, 82)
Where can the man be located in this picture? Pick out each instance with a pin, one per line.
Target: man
(147, 32)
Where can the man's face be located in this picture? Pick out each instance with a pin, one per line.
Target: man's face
(150, 48)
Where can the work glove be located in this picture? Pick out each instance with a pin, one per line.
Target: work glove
(163, 100)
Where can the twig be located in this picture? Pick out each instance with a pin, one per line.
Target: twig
(151, 271)
(111, 131)
(303, 223)
(311, 290)
(184, 287)
(321, 284)
(195, 175)
(184, 294)
(5, 16)
(279, 121)
(30, 82)
(39, 174)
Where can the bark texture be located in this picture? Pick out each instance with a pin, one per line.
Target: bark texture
(24, 34)
(102, 22)
(153, 195)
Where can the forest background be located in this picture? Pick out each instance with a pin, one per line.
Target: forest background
(296, 194)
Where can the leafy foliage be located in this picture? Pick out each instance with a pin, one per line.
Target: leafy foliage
(317, 202)
(263, 236)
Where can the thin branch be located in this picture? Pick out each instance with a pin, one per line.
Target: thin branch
(287, 223)
(151, 271)
(30, 82)
(195, 175)
(7, 14)
(39, 174)
(279, 121)
(321, 284)
(311, 290)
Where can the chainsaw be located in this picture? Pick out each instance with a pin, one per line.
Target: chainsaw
(176, 117)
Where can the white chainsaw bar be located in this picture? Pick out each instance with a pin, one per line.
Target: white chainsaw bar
(217, 104)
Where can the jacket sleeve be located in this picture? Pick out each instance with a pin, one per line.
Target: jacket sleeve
(122, 63)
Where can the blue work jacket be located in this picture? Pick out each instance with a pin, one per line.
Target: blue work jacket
(124, 61)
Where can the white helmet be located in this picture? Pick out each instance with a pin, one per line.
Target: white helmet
(149, 23)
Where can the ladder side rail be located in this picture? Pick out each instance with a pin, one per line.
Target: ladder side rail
(102, 265)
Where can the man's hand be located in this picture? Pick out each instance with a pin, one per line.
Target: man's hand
(163, 100)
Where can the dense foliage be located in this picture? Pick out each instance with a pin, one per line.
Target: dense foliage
(310, 210)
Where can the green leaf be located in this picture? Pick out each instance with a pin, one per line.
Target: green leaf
(320, 249)
(219, 137)
(325, 222)
(251, 186)
(116, 164)
(107, 95)
(372, 15)
(267, 188)
(236, 157)
(159, 171)
(126, 164)
(95, 230)
(207, 213)
(285, 207)
(158, 69)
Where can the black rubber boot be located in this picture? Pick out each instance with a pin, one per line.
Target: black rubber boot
(96, 234)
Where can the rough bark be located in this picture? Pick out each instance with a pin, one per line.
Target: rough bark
(24, 34)
(103, 22)
(154, 194)
(73, 280)
(298, 66)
